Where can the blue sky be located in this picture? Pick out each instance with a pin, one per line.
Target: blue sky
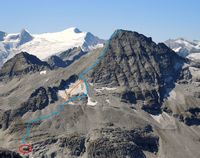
(161, 19)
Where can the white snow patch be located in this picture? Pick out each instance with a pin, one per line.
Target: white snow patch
(43, 72)
(158, 118)
(91, 84)
(76, 88)
(105, 88)
(108, 101)
(62, 94)
(177, 49)
(90, 102)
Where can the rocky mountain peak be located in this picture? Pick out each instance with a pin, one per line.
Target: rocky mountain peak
(24, 36)
(22, 63)
(143, 68)
(91, 41)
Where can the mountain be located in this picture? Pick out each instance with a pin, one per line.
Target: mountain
(71, 55)
(24, 37)
(22, 63)
(143, 68)
(185, 48)
(46, 44)
(132, 98)
(55, 62)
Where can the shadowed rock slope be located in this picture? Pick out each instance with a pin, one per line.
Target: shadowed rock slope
(141, 67)
(20, 64)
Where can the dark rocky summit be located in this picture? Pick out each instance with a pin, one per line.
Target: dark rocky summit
(24, 37)
(145, 69)
(20, 64)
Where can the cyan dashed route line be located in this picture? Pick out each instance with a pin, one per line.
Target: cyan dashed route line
(61, 107)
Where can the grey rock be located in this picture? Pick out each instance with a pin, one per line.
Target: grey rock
(75, 143)
(144, 68)
(55, 62)
(20, 64)
(72, 55)
(149, 79)
(24, 37)
(8, 154)
(122, 143)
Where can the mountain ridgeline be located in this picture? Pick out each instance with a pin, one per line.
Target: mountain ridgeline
(144, 69)
(46, 44)
(22, 63)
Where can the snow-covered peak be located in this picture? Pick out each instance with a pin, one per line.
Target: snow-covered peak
(46, 44)
(185, 48)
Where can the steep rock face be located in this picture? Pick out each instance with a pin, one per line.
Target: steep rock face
(55, 62)
(24, 37)
(183, 101)
(72, 55)
(91, 41)
(143, 68)
(8, 154)
(22, 63)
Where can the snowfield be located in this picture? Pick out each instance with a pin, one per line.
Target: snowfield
(46, 44)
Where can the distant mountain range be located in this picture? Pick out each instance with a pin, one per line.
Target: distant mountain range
(46, 44)
(185, 48)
